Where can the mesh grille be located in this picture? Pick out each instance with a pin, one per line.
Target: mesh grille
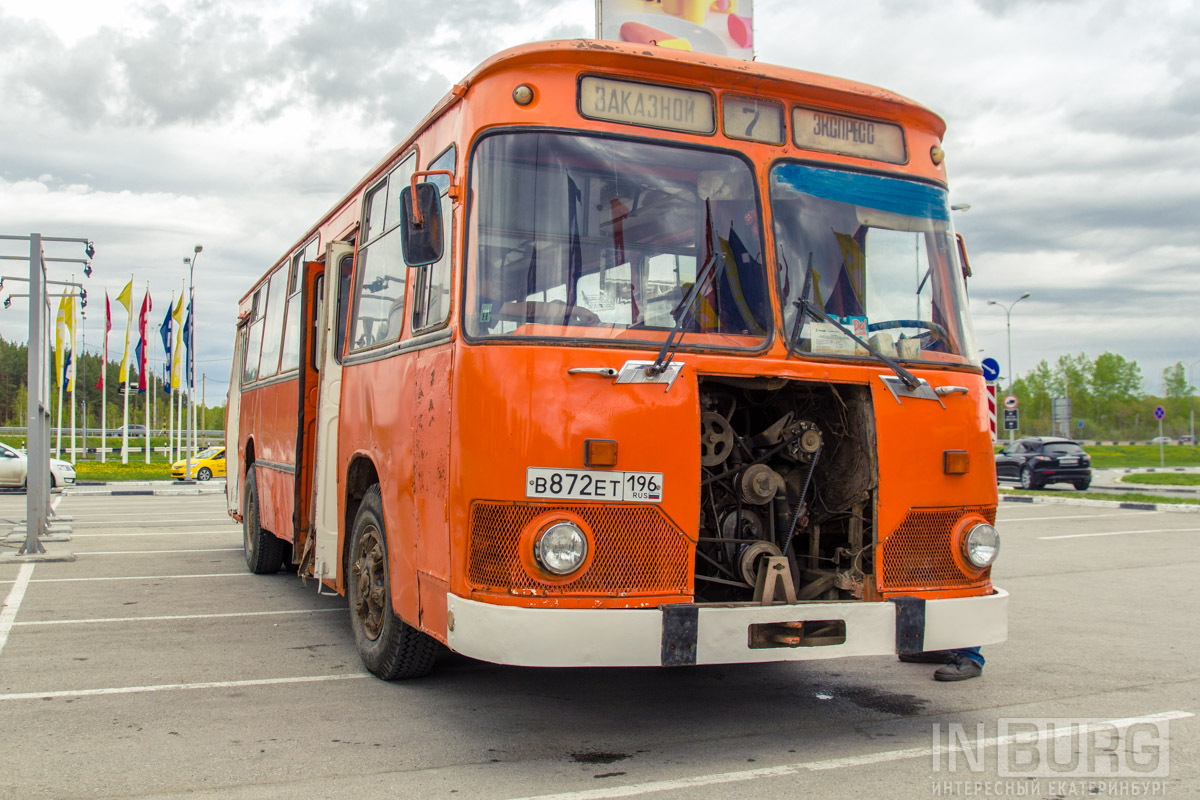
(638, 551)
(917, 555)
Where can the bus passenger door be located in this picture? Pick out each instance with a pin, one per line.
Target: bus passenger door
(339, 258)
(233, 410)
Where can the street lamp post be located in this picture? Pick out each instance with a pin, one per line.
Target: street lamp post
(1008, 325)
(1192, 403)
(191, 354)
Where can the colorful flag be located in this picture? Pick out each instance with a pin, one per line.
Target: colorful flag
(139, 359)
(142, 352)
(189, 377)
(164, 331)
(60, 329)
(177, 353)
(125, 298)
(104, 350)
(68, 376)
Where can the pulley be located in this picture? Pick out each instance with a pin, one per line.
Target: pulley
(759, 484)
(716, 439)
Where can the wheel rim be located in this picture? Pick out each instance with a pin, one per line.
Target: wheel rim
(203, 474)
(368, 574)
(251, 514)
(1026, 479)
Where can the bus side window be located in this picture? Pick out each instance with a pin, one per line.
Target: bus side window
(254, 338)
(345, 276)
(431, 295)
(272, 331)
(381, 277)
(317, 335)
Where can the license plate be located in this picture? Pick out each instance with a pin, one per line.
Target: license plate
(1068, 462)
(592, 484)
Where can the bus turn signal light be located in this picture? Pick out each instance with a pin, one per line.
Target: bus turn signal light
(956, 462)
(600, 453)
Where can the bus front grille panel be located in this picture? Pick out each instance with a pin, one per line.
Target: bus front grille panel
(637, 551)
(918, 554)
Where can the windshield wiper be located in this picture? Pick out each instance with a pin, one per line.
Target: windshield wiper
(710, 272)
(805, 306)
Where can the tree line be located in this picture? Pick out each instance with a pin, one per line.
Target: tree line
(14, 368)
(1106, 394)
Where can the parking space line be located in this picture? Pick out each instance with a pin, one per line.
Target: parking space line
(155, 552)
(1121, 533)
(1138, 514)
(8, 615)
(173, 617)
(142, 577)
(167, 687)
(234, 531)
(713, 779)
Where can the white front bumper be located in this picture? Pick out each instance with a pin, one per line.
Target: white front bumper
(559, 637)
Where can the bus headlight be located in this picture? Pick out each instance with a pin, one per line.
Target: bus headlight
(561, 549)
(981, 544)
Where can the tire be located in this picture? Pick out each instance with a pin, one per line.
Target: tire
(388, 646)
(1082, 485)
(1027, 480)
(264, 553)
(203, 474)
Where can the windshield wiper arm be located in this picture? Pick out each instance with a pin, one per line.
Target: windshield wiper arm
(910, 380)
(800, 314)
(710, 272)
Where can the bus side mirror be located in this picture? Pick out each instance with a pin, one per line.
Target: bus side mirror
(421, 232)
(962, 256)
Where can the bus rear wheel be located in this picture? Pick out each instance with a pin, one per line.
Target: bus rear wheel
(264, 553)
(389, 647)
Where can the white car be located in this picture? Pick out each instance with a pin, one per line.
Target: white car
(14, 467)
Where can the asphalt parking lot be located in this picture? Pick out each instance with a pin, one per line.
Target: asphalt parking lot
(155, 666)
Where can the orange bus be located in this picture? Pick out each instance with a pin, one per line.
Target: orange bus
(629, 356)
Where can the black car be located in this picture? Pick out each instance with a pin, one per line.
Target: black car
(1038, 460)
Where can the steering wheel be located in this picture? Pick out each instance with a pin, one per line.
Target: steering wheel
(937, 330)
(583, 316)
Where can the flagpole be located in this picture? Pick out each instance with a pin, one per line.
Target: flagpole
(125, 384)
(143, 322)
(74, 364)
(82, 350)
(167, 385)
(104, 379)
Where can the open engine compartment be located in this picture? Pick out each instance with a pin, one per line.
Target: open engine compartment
(788, 468)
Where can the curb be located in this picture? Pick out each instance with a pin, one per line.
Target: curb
(120, 490)
(1066, 501)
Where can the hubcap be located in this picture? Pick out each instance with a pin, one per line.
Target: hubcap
(368, 574)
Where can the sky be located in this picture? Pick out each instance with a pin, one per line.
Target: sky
(150, 127)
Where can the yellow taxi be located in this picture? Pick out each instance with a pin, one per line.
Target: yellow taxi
(206, 464)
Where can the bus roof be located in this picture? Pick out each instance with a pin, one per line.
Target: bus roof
(664, 62)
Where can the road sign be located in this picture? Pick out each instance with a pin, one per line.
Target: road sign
(1080, 424)
(1159, 412)
(1010, 401)
(991, 369)
(1011, 419)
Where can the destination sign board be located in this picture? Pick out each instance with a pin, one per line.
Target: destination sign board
(849, 136)
(646, 104)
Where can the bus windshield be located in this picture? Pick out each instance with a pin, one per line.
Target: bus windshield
(875, 253)
(600, 238)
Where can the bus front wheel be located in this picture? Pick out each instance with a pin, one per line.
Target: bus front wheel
(264, 553)
(389, 647)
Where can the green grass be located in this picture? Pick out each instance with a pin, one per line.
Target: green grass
(113, 470)
(1163, 478)
(1123, 497)
(1109, 456)
(1142, 455)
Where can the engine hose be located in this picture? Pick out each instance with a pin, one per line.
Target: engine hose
(800, 504)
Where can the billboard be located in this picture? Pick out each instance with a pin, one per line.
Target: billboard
(720, 27)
